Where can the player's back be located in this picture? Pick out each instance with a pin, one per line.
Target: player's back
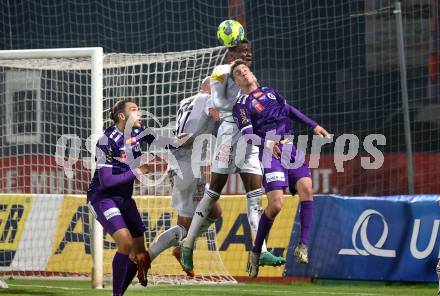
(193, 116)
(224, 91)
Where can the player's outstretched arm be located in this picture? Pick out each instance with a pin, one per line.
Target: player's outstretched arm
(108, 179)
(298, 115)
(218, 90)
(320, 131)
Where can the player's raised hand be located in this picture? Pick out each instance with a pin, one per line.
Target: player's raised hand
(320, 131)
(143, 169)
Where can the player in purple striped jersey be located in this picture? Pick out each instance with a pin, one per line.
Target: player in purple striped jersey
(109, 195)
(261, 111)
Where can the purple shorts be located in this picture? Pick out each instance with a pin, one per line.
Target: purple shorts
(114, 216)
(279, 177)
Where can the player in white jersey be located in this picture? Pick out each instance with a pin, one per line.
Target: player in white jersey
(196, 116)
(224, 94)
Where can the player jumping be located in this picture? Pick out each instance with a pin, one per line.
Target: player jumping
(196, 116)
(224, 94)
(261, 110)
(109, 195)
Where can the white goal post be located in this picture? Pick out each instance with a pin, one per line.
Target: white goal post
(96, 56)
(67, 91)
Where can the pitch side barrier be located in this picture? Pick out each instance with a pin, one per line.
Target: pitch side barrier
(393, 238)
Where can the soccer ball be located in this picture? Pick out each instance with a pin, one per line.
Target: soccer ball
(230, 33)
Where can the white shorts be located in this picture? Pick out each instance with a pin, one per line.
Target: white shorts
(225, 160)
(187, 190)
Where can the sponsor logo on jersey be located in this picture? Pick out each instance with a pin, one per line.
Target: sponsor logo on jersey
(275, 176)
(243, 116)
(258, 94)
(257, 106)
(110, 213)
(218, 76)
(109, 158)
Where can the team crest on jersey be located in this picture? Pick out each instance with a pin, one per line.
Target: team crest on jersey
(257, 106)
(218, 76)
(271, 96)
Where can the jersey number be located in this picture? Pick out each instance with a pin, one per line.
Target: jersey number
(182, 117)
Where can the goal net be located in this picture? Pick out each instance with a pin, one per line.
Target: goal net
(53, 106)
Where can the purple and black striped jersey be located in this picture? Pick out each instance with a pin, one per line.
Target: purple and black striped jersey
(264, 110)
(115, 159)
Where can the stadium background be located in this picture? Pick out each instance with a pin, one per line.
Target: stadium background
(333, 59)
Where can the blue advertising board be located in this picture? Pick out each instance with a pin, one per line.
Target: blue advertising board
(391, 238)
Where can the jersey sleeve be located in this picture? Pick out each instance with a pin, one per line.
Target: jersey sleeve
(104, 165)
(145, 136)
(294, 113)
(209, 104)
(219, 80)
(104, 153)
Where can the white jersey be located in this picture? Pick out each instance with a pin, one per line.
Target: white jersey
(193, 116)
(224, 91)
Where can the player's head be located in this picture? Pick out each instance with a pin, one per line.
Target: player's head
(205, 87)
(241, 51)
(242, 74)
(122, 111)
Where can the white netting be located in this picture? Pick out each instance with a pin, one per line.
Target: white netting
(47, 99)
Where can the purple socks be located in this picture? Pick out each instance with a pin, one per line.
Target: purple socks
(305, 216)
(264, 227)
(124, 271)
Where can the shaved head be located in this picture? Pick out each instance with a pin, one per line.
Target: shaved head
(205, 87)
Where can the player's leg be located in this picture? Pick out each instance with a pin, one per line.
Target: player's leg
(183, 188)
(304, 189)
(107, 213)
(203, 214)
(250, 173)
(203, 209)
(123, 267)
(138, 252)
(275, 204)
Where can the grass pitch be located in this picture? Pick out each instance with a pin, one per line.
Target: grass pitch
(77, 288)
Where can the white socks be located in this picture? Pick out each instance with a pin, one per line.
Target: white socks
(165, 240)
(202, 211)
(254, 211)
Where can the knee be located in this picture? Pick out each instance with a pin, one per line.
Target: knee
(305, 193)
(125, 245)
(274, 209)
(216, 211)
(218, 181)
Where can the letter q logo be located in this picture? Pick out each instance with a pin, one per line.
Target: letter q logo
(362, 224)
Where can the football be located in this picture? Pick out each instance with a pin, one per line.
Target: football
(230, 33)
